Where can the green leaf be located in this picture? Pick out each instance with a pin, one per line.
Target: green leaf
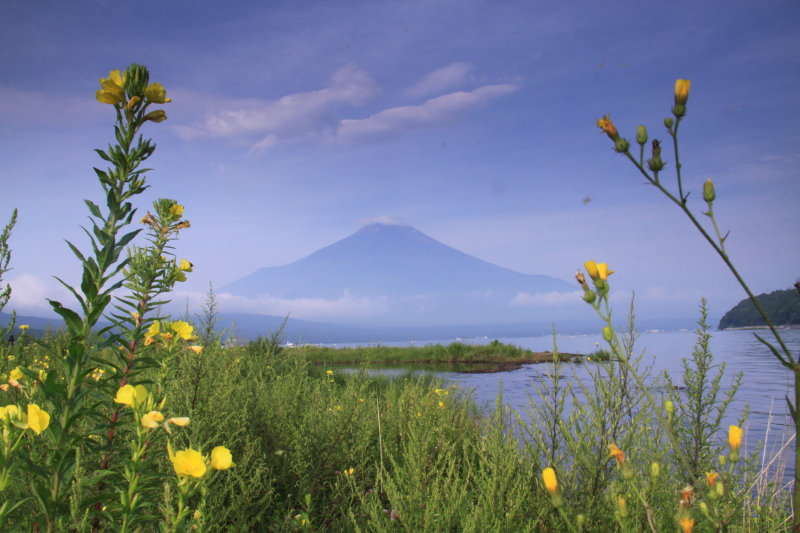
(71, 318)
(93, 208)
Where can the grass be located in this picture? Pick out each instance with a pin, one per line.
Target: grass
(495, 353)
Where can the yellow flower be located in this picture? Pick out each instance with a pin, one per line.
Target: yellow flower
(441, 404)
(687, 524)
(622, 507)
(112, 91)
(221, 458)
(349, 472)
(156, 116)
(603, 271)
(148, 341)
(608, 127)
(176, 210)
(188, 463)
(23, 327)
(156, 93)
(616, 453)
(591, 269)
(597, 271)
(130, 395)
(329, 372)
(711, 478)
(16, 374)
(9, 410)
(550, 481)
(154, 329)
(186, 266)
(179, 421)
(182, 329)
(152, 419)
(682, 91)
(735, 437)
(196, 349)
(38, 420)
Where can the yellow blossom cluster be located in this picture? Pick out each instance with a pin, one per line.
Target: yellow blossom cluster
(34, 419)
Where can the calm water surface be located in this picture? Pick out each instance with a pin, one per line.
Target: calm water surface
(765, 381)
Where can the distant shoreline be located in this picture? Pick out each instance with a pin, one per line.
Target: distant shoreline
(785, 326)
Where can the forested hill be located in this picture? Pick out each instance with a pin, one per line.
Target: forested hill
(783, 307)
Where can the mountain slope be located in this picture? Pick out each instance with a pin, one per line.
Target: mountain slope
(389, 260)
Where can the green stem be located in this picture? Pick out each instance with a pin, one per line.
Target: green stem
(674, 134)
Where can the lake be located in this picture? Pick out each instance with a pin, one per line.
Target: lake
(765, 381)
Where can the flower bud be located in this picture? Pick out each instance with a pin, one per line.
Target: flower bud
(607, 334)
(708, 191)
(722, 460)
(589, 296)
(655, 163)
(655, 469)
(156, 116)
(682, 92)
(641, 135)
(668, 123)
(621, 145)
(622, 507)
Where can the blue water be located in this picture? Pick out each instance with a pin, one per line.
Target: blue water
(765, 382)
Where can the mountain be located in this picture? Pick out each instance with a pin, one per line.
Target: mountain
(783, 308)
(410, 277)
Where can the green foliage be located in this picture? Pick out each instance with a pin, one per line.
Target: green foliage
(782, 306)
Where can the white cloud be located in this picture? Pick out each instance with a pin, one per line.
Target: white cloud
(381, 219)
(290, 117)
(449, 77)
(29, 295)
(434, 113)
(549, 299)
(313, 309)
(314, 116)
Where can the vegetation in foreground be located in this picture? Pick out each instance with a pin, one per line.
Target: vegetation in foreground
(151, 425)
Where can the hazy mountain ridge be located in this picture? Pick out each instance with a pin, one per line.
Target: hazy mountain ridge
(419, 278)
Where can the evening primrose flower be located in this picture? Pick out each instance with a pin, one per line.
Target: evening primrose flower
(152, 419)
(130, 395)
(186, 266)
(176, 210)
(154, 329)
(188, 463)
(221, 458)
(113, 90)
(16, 374)
(182, 329)
(38, 420)
(24, 327)
(616, 453)
(711, 478)
(9, 411)
(196, 349)
(156, 93)
(179, 421)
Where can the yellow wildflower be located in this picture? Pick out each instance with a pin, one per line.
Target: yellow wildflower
(608, 127)
(221, 458)
(9, 410)
(196, 349)
(38, 420)
(156, 93)
(152, 419)
(16, 374)
(687, 524)
(182, 329)
(441, 404)
(130, 395)
(329, 372)
(112, 91)
(179, 421)
(711, 478)
(23, 327)
(682, 91)
(154, 329)
(550, 481)
(176, 210)
(616, 453)
(735, 437)
(148, 341)
(188, 463)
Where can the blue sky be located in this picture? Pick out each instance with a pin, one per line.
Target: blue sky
(294, 123)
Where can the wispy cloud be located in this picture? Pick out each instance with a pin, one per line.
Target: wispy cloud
(434, 113)
(313, 117)
(549, 299)
(452, 76)
(29, 295)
